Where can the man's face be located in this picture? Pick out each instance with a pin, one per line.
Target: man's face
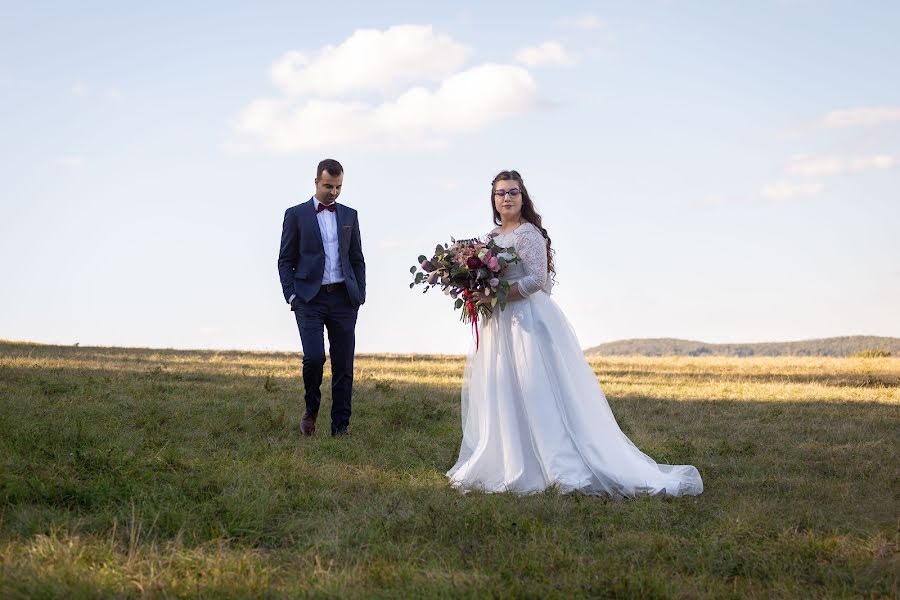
(328, 187)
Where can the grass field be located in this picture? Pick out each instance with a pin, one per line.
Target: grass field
(149, 473)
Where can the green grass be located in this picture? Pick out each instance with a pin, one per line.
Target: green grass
(133, 473)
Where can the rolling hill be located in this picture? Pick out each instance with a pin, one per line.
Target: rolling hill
(836, 346)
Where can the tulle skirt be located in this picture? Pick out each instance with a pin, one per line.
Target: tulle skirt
(534, 416)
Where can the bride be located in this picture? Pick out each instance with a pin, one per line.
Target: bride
(533, 414)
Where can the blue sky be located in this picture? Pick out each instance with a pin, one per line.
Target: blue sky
(719, 171)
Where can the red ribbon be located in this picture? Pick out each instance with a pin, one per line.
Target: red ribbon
(474, 314)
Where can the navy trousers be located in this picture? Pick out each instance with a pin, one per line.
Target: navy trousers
(331, 311)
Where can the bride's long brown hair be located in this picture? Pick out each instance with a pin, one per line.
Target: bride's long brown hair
(528, 212)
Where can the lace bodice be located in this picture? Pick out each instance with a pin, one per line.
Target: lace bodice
(531, 273)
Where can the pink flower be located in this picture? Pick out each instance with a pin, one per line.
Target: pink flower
(494, 283)
(493, 264)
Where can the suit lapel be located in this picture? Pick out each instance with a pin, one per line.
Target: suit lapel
(315, 221)
(339, 220)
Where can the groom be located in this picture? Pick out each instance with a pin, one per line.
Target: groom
(323, 276)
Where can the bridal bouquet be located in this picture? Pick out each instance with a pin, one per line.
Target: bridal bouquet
(464, 267)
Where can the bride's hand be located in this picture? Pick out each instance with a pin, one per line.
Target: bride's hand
(478, 299)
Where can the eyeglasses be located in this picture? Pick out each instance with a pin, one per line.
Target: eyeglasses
(513, 193)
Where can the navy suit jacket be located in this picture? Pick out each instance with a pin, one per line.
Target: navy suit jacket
(301, 260)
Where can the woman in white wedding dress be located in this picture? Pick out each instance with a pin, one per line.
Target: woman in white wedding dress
(533, 413)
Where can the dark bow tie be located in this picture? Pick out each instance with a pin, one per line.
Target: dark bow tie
(332, 207)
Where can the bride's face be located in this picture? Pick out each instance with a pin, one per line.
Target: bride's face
(508, 199)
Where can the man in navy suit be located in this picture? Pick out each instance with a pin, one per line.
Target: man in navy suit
(323, 276)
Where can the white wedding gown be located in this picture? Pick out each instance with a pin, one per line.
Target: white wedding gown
(533, 413)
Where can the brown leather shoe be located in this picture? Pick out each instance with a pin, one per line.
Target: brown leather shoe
(308, 424)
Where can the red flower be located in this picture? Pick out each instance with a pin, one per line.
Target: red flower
(474, 262)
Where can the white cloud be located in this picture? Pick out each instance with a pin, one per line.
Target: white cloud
(419, 117)
(784, 190)
(548, 53)
(581, 22)
(716, 200)
(370, 60)
(865, 116)
(80, 89)
(807, 166)
(327, 100)
(71, 162)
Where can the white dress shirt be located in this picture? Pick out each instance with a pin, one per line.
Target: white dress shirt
(328, 227)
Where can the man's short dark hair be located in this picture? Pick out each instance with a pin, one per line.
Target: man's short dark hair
(333, 167)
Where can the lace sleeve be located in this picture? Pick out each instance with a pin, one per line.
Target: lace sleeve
(532, 249)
